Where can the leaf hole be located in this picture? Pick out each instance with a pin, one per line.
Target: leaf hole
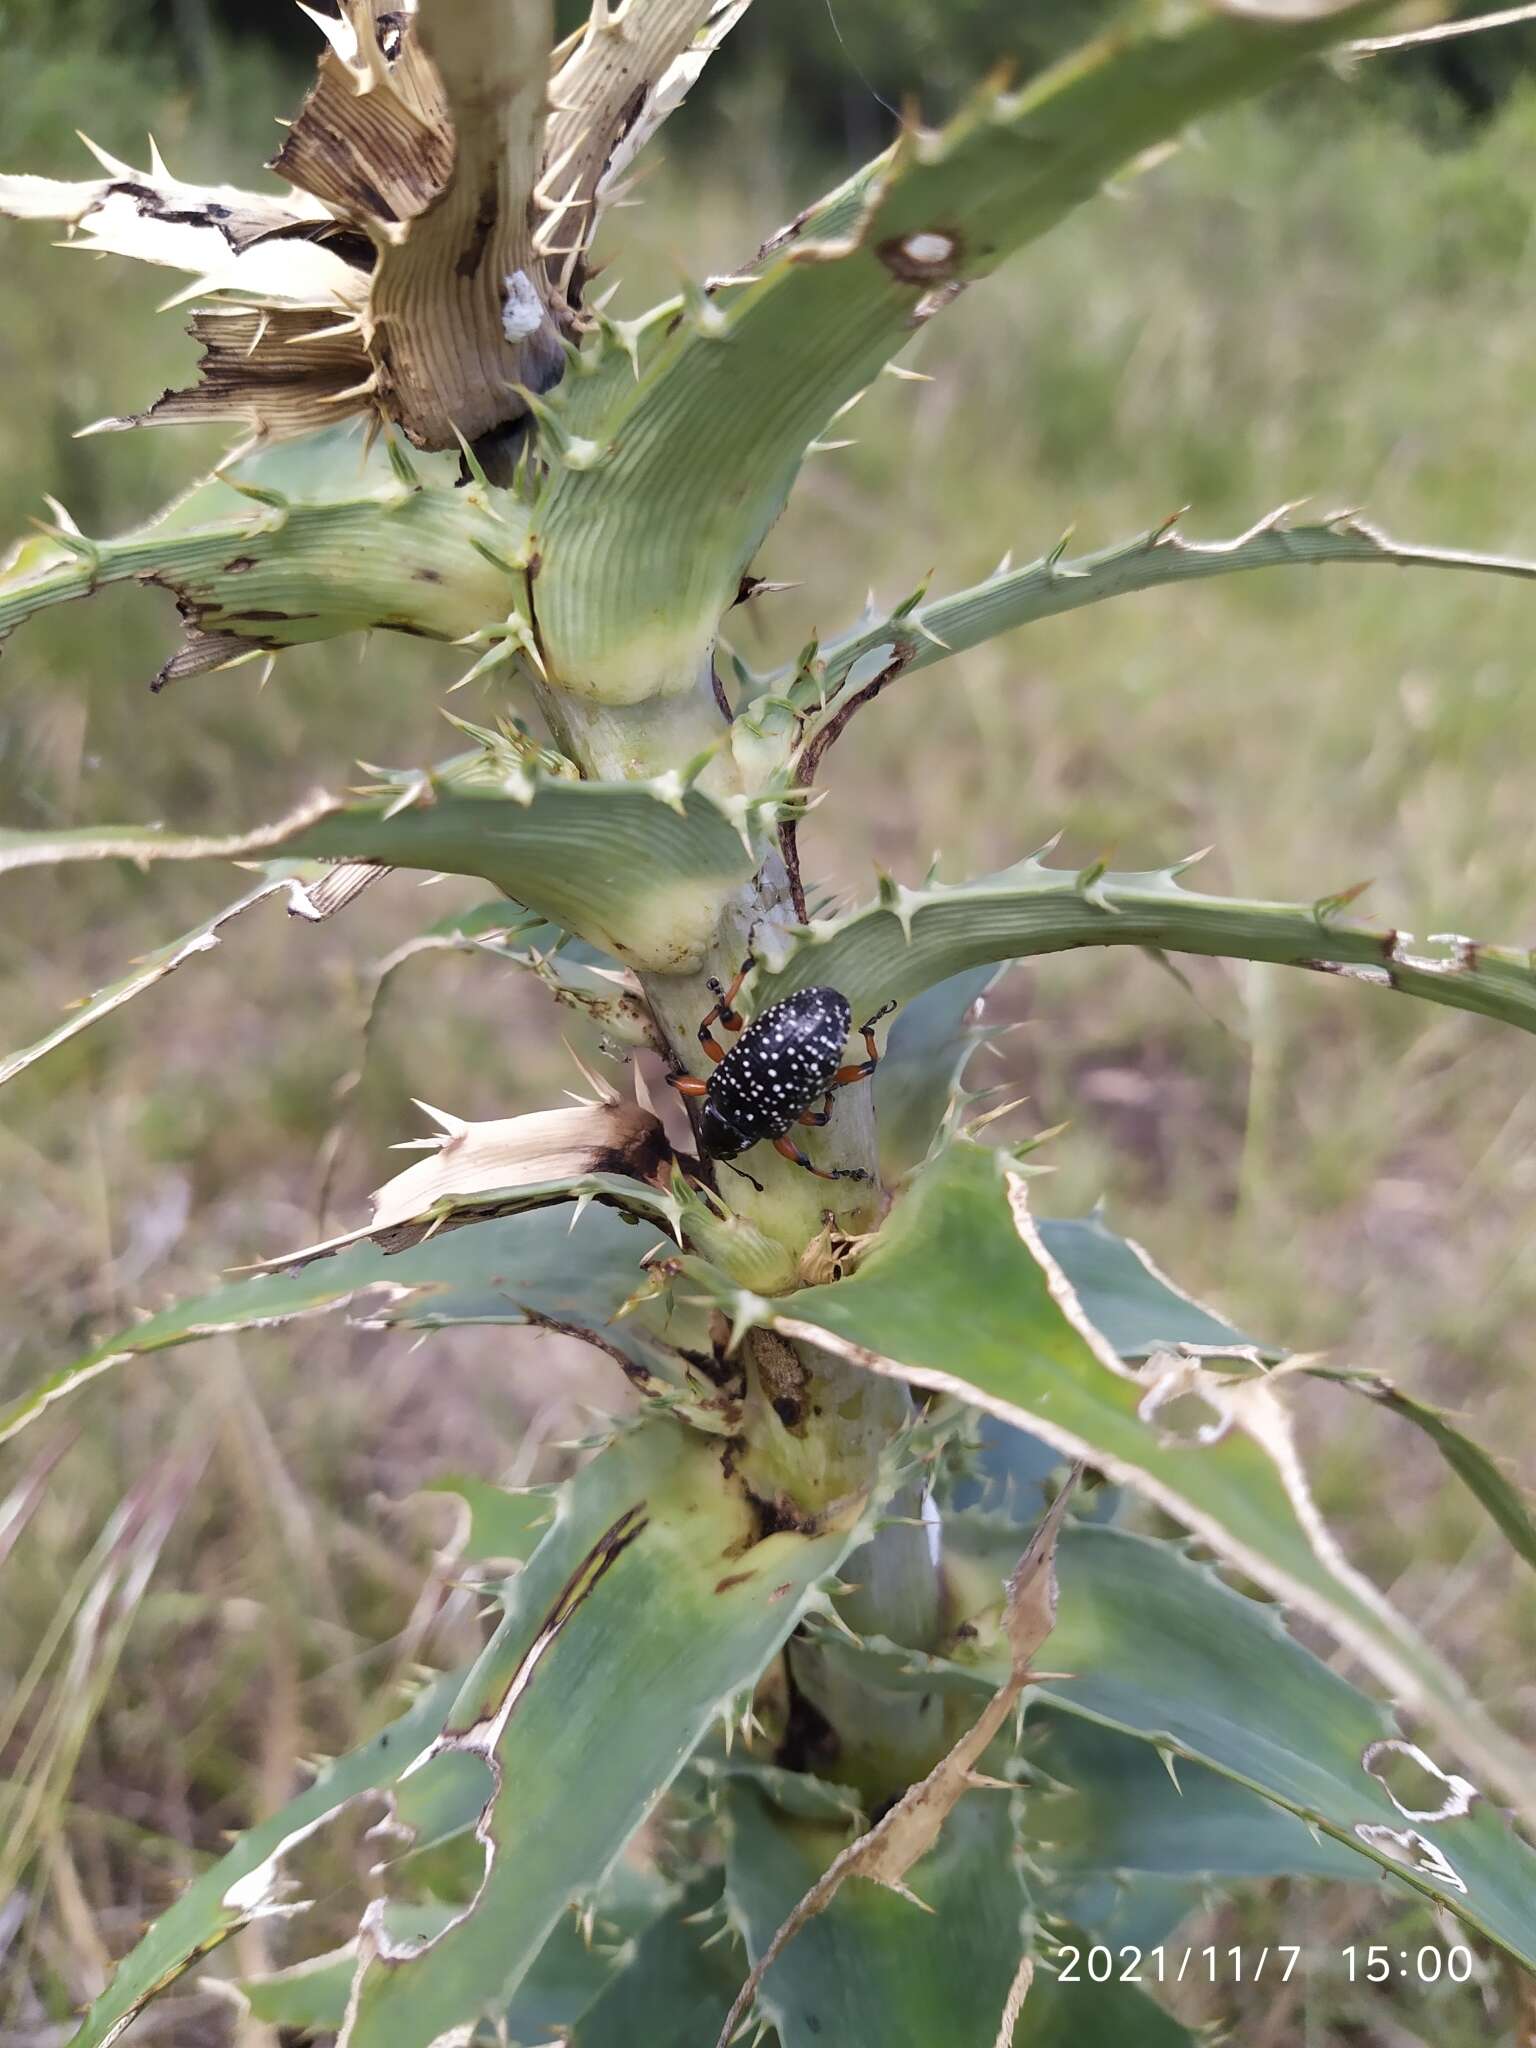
(1408, 1846)
(1178, 1404)
(1415, 1783)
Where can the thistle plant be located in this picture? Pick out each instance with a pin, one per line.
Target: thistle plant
(815, 1696)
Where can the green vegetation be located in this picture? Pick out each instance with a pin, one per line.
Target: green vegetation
(221, 1561)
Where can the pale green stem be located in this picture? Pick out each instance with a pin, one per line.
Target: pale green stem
(845, 1437)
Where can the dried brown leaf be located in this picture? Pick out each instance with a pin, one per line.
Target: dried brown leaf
(466, 1159)
(155, 217)
(372, 139)
(626, 72)
(458, 318)
(278, 371)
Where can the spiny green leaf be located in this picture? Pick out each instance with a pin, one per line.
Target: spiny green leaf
(799, 1794)
(1129, 1302)
(494, 1272)
(569, 1974)
(278, 574)
(653, 1599)
(1504, 1499)
(312, 1995)
(146, 971)
(1135, 1308)
(1055, 583)
(228, 1896)
(502, 1524)
(1162, 1651)
(1126, 1813)
(744, 394)
(892, 950)
(678, 1980)
(1140, 1312)
(872, 1966)
(926, 1053)
(641, 872)
(1088, 2015)
(619, 1648)
(959, 1294)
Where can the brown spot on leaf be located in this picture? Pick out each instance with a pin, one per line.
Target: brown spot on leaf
(776, 1516)
(485, 219)
(782, 1374)
(372, 198)
(928, 256)
(390, 31)
(785, 234)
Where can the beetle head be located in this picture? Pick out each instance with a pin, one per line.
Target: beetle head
(718, 1136)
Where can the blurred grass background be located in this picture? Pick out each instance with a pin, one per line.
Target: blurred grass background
(1329, 298)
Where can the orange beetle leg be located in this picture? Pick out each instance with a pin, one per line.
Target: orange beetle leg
(788, 1149)
(724, 1011)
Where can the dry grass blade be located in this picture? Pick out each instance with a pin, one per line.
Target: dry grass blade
(1282, 11)
(1442, 32)
(886, 1852)
(27, 1495)
(97, 1618)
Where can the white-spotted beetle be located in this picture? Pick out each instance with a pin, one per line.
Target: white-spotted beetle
(769, 1078)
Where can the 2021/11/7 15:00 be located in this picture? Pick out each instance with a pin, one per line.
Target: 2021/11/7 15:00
(1211, 1965)
(1379, 1964)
